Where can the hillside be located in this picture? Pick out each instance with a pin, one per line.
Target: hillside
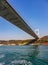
(15, 42)
(43, 40)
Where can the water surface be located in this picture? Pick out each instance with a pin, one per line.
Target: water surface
(24, 55)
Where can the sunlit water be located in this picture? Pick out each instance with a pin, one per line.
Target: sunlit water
(24, 55)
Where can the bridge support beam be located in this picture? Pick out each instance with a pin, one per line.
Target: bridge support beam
(7, 12)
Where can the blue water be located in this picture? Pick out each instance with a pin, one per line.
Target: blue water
(24, 55)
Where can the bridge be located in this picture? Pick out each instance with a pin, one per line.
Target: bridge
(8, 12)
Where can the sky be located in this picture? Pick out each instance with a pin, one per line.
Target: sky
(34, 12)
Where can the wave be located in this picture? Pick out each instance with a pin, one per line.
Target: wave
(2, 63)
(23, 62)
(2, 55)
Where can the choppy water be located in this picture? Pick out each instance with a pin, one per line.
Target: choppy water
(24, 55)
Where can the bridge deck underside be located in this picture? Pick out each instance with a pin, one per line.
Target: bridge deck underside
(12, 16)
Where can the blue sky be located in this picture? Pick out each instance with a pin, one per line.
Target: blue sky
(34, 12)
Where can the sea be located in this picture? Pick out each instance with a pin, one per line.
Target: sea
(24, 55)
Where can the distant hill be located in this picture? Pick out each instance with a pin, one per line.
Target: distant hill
(43, 40)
